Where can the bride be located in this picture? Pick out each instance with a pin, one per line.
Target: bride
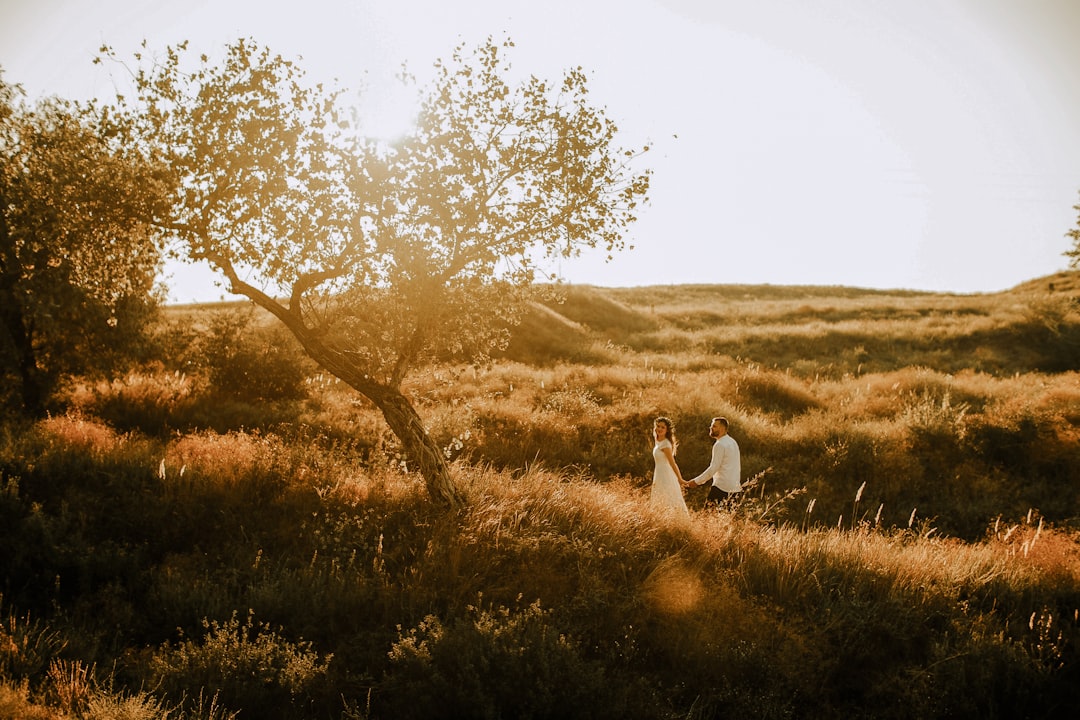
(667, 478)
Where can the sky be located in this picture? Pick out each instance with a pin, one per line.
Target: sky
(896, 144)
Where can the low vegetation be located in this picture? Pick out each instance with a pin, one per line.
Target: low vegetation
(227, 533)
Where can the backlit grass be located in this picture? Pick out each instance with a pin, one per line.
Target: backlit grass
(906, 545)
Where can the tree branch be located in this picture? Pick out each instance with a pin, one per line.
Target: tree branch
(241, 287)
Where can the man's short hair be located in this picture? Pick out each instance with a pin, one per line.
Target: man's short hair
(722, 420)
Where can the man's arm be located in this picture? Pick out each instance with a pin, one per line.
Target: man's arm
(714, 466)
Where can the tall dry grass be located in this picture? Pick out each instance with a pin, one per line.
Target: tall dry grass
(550, 593)
(829, 389)
(905, 546)
(961, 448)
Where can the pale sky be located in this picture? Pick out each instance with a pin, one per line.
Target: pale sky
(920, 144)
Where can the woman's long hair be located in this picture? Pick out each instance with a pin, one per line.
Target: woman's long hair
(670, 432)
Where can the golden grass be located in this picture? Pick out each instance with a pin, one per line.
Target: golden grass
(16, 704)
(226, 458)
(80, 434)
(353, 549)
(931, 411)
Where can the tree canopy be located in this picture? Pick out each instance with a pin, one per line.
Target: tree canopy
(79, 252)
(380, 256)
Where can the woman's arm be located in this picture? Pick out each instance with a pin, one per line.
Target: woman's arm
(671, 461)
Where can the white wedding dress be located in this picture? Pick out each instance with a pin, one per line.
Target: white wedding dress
(666, 491)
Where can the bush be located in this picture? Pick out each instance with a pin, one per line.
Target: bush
(71, 692)
(253, 669)
(152, 403)
(1049, 330)
(27, 646)
(15, 703)
(248, 362)
(498, 663)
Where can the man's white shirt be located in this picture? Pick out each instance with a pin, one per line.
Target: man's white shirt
(726, 466)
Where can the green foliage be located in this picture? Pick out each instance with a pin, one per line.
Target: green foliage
(590, 605)
(150, 403)
(497, 662)
(78, 251)
(27, 646)
(243, 362)
(69, 692)
(1051, 322)
(1074, 234)
(388, 255)
(158, 404)
(15, 704)
(885, 559)
(144, 706)
(227, 370)
(831, 332)
(251, 667)
(773, 393)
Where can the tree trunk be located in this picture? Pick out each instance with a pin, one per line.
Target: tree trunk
(419, 447)
(14, 320)
(399, 413)
(31, 385)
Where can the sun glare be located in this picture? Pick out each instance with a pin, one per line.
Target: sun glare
(388, 112)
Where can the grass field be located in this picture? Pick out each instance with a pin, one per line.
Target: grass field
(231, 533)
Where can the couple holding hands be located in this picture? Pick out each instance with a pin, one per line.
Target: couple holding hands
(724, 469)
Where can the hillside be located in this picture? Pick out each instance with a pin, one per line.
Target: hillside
(1066, 283)
(831, 388)
(1029, 328)
(230, 533)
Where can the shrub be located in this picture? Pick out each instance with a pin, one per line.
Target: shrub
(120, 538)
(102, 705)
(1051, 311)
(498, 663)
(152, 403)
(69, 685)
(27, 646)
(253, 669)
(71, 692)
(248, 362)
(572, 403)
(15, 703)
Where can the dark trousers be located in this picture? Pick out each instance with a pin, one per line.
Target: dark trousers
(716, 497)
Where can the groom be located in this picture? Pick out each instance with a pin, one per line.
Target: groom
(725, 468)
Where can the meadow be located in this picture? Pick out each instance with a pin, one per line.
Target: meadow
(229, 533)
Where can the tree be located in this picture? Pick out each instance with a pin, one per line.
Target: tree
(78, 250)
(1074, 234)
(380, 256)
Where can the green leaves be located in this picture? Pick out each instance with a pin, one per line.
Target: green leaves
(1074, 253)
(277, 186)
(78, 248)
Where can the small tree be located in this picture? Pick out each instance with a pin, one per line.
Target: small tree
(1074, 234)
(78, 251)
(379, 256)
